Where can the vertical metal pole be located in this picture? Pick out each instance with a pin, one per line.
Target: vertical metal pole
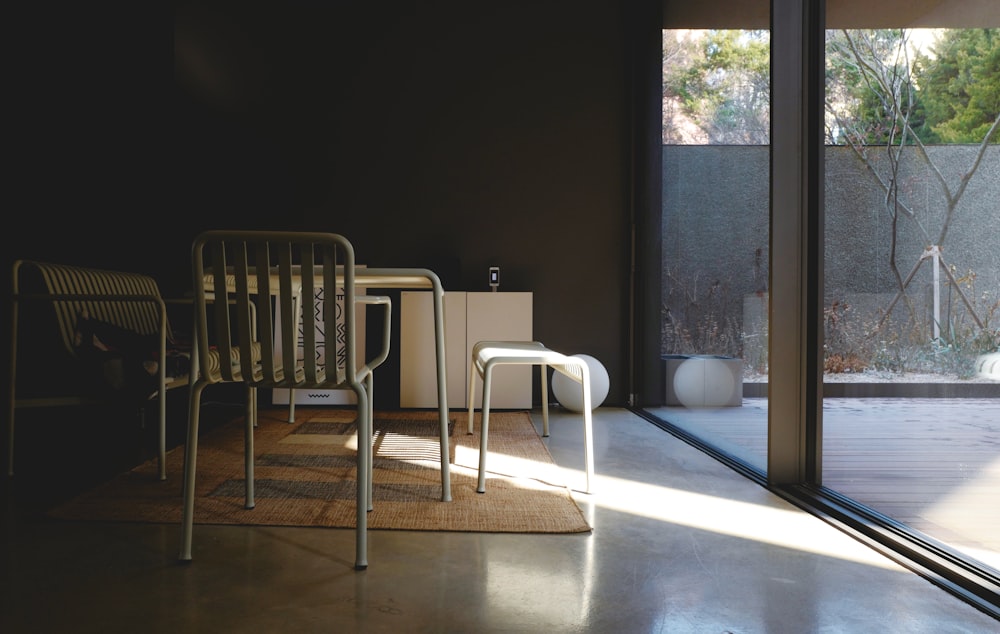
(936, 255)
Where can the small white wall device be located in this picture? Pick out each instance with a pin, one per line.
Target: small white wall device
(494, 278)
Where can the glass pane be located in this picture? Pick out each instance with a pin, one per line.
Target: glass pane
(911, 416)
(716, 125)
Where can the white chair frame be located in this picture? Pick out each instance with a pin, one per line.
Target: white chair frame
(238, 345)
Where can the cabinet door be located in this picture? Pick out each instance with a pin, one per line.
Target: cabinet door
(417, 357)
(502, 317)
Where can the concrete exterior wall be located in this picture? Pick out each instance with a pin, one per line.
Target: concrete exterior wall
(715, 231)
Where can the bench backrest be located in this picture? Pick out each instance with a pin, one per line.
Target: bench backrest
(126, 300)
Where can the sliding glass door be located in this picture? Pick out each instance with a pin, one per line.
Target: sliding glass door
(713, 311)
(911, 416)
(832, 250)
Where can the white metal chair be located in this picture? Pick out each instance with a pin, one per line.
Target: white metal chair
(242, 279)
(486, 355)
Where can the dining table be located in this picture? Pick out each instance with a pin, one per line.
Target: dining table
(401, 279)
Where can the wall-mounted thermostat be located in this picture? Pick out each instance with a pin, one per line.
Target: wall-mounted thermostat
(494, 278)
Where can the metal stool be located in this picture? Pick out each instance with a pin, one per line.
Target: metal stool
(488, 354)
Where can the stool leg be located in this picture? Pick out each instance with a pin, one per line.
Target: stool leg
(484, 426)
(472, 396)
(588, 428)
(545, 400)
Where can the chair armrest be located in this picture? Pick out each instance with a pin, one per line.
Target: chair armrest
(379, 359)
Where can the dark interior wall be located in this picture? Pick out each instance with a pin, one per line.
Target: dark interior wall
(88, 117)
(452, 135)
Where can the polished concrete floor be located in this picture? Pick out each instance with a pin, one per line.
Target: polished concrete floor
(681, 543)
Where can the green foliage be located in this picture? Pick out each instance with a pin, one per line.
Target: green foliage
(960, 86)
(872, 95)
(721, 79)
(878, 92)
(878, 95)
(867, 85)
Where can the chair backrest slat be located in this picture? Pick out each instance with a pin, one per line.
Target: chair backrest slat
(271, 367)
(223, 334)
(309, 316)
(246, 334)
(289, 297)
(345, 356)
(269, 279)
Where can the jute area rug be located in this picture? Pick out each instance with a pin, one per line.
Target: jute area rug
(305, 476)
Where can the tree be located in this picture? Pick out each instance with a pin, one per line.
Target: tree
(868, 81)
(881, 107)
(959, 86)
(886, 99)
(716, 87)
(680, 49)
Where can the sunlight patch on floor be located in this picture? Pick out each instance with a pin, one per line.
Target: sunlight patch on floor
(783, 527)
(970, 509)
(523, 472)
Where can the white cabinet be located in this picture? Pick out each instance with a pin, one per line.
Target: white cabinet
(502, 317)
(417, 369)
(469, 317)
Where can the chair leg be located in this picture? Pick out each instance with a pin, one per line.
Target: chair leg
(291, 406)
(249, 424)
(251, 409)
(10, 439)
(161, 437)
(11, 404)
(140, 414)
(190, 465)
(370, 388)
(484, 427)
(363, 471)
(445, 453)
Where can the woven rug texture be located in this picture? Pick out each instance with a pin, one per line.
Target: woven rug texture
(305, 476)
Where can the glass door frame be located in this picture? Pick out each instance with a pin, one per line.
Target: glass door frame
(795, 389)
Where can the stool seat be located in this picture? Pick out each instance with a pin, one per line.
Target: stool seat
(486, 355)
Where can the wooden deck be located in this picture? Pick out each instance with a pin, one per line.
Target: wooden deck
(930, 463)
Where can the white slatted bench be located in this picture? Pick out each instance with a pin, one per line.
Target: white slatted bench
(130, 301)
(486, 355)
